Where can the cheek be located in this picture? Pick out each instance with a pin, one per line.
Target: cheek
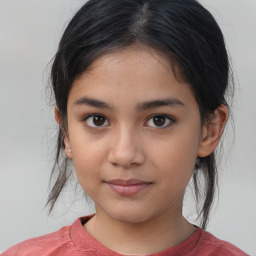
(176, 156)
(175, 166)
(86, 161)
(88, 156)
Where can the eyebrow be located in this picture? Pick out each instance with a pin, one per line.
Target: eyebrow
(171, 102)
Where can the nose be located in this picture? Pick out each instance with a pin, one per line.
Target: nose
(126, 149)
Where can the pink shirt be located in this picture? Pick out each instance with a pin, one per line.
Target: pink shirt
(75, 241)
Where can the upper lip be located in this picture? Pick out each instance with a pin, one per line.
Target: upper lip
(123, 182)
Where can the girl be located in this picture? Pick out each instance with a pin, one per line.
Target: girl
(140, 90)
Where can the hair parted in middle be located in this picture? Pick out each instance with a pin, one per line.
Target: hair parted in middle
(182, 31)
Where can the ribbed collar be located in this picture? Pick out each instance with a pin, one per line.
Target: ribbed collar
(89, 246)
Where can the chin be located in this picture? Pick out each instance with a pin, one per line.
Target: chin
(130, 216)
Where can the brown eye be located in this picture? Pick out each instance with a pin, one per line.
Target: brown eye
(96, 121)
(160, 121)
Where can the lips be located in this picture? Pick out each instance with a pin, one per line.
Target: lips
(127, 187)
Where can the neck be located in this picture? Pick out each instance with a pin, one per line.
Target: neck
(148, 237)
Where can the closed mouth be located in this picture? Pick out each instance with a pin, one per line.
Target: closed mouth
(127, 187)
(128, 182)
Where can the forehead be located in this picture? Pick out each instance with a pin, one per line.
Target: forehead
(127, 60)
(137, 73)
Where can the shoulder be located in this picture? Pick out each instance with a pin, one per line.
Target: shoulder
(55, 243)
(210, 245)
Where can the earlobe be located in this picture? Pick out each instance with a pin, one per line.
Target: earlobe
(57, 115)
(66, 139)
(68, 150)
(212, 131)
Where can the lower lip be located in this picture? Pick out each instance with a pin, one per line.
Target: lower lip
(128, 190)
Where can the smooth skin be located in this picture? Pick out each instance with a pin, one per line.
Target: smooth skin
(126, 139)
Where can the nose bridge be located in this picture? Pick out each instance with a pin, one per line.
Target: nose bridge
(126, 148)
(125, 133)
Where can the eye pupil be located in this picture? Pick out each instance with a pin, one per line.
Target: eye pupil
(98, 120)
(159, 120)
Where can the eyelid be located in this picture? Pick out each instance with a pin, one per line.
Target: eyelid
(92, 114)
(84, 118)
(170, 118)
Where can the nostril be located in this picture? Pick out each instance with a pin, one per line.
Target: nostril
(126, 152)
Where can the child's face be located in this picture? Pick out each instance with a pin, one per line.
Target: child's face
(134, 166)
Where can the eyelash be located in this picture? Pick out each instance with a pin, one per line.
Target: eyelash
(167, 117)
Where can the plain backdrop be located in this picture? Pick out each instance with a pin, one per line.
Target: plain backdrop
(29, 34)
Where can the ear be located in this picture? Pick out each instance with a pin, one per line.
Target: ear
(66, 138)
(212, 131)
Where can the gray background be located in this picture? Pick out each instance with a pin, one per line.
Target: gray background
(29, 34)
